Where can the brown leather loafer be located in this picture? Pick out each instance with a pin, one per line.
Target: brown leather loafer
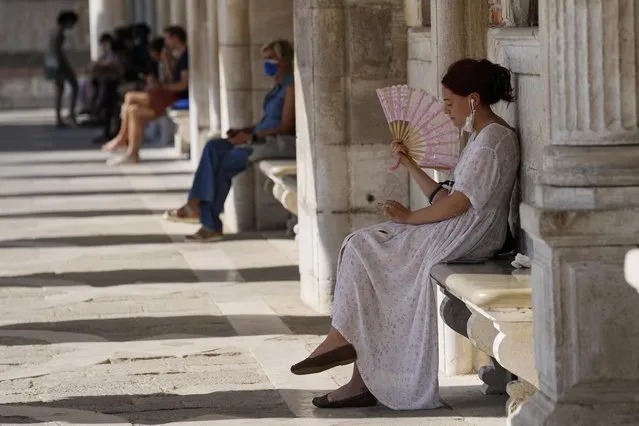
(339, 356)
(365, 399)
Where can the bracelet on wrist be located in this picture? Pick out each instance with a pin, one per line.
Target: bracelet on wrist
(432, 196)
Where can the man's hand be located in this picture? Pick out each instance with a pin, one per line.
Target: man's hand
(241, 138)
(396, 212)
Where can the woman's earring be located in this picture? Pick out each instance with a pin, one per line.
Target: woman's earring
(469, 125)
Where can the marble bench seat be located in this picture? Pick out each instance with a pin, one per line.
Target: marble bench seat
(180, 118)
(491, 304)
(282, 183)
(631, 268)
(275, 169)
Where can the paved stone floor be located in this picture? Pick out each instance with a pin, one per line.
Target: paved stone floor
(108, 317)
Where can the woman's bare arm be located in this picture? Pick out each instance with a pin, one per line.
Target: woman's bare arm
(446, 207)
(287, 126)
(425, 182)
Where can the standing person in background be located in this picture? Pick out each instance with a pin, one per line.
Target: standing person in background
(58, 67)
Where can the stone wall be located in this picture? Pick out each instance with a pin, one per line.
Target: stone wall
(518, 49)
(25, 28)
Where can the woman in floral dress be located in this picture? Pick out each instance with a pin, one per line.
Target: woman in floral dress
(384, 313)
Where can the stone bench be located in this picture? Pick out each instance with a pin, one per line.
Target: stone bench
(289, 193)
(491, 304)
(282, 183)
(631, 268)
(180, 118)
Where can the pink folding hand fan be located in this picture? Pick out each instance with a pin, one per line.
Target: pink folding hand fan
(417, 119)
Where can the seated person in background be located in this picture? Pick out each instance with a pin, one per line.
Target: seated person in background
(89, 87)
(124, 35)
(222, 159)
(109, 76)
(141, 60)
(140, 107)
(160, 64)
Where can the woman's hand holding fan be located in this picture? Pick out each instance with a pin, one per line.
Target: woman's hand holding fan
(398, 150)
(419, 124)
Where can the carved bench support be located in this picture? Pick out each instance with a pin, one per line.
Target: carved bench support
(182, 134)
(455, 313)
(514, 349)
(482, 333)
(495, 378)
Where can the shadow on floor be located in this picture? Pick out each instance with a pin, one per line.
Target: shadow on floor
(98, 192)
(111, 278)
(155, 328)
(85, 161)
(37, 137)
(225, 405)
(124, 239)
(97, 175)
(80, 213)
(92, 241)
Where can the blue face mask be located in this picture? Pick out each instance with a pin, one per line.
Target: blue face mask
(271, 67)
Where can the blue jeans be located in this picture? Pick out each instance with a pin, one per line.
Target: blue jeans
(220, 162)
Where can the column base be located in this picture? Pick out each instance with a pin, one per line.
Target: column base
(519, 392)
(541, 411)
(317, 294)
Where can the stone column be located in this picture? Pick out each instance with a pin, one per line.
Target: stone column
(344, 51)
(150, 14)
(268, 21)
(178, 12)
(213, 49)
(137, 10)
(198, 76)
(162, 15)
(235, 57)
(448, 44)
(586, 217)
(235, 103)
(104, 16)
